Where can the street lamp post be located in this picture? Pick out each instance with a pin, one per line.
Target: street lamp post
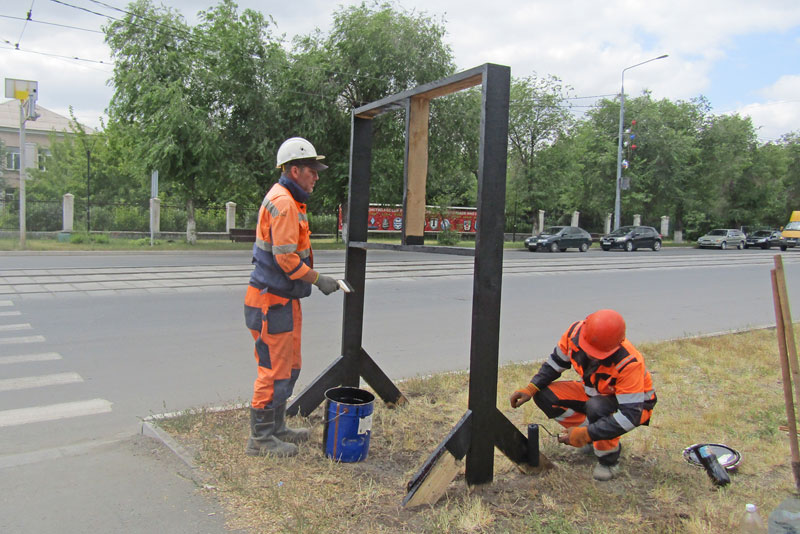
(619, 146)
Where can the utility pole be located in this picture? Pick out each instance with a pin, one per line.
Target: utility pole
(619, 145)
(26, 91)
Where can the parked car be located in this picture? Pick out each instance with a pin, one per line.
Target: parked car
(630, 238)
(723, 238)
(561, 238)
(766, 239)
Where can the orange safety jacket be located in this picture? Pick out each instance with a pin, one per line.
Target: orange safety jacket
(282, 251)
(622, 375)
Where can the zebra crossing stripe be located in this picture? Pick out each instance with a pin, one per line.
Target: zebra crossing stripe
(28, 382)
(10, 313)
(53, 412)
(12, 327)
(6, 303)
(21, 339)
(24, 358)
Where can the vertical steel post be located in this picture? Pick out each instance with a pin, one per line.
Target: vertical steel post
(356, 259)
(488, 273)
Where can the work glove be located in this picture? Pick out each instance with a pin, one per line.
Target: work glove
(523, 395)
(577, 436)
(326, 284)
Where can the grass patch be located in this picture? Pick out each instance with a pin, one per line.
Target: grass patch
(715, 389)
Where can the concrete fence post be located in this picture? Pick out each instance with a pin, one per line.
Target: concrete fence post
(608, 223)
(541, 221)
(678, 236)
(637, 220)
(576, 215)
(665, 225)
(230, 216)
(68, 212)
(155, 216)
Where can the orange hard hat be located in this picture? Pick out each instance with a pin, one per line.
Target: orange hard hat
(602, 333)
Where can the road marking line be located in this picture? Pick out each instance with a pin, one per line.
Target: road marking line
(53, 412)
(25, 458)
(21, 339)
(10, 313)
(24, 358)
(19, 326)
(6, 303)
(29, 382)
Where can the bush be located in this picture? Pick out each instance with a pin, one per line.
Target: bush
(131, 218)
(448, 237)
(323, 224)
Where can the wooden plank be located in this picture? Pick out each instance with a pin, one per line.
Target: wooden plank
(431, 480)
(416, 170)
(443, 470)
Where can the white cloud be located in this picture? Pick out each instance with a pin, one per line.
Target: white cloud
(583, 42)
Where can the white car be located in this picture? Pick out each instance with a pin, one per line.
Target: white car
(722, 238)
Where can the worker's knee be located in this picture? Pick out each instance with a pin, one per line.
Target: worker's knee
(600, 406)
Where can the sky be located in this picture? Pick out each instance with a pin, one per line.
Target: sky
(742, 55)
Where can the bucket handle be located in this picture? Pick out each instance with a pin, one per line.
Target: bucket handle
(338, 415)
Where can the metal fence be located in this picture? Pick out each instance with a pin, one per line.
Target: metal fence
(47, 216)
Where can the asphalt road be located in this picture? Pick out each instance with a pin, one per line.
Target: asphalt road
(90, 344)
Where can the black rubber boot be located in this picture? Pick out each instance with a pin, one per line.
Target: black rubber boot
(262, 439)
(284, 433)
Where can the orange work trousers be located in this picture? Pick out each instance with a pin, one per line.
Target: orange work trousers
(276, 324)
(567, 402)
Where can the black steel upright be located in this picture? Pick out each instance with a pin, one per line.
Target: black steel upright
(488, 276)
(356, 260)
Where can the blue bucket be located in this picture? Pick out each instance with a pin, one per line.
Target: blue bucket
(348, 424)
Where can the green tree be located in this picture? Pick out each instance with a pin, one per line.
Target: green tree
(186, 94)
(539, 116)
(372, 51)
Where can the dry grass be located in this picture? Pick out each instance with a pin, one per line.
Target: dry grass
(721, 389)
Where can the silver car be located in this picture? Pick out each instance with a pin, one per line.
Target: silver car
(723, 238)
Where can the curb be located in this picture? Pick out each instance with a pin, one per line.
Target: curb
(151, 429)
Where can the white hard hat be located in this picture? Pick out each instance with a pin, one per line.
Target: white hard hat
(299, 148)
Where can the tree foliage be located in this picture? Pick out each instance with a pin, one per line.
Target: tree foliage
(208, 105)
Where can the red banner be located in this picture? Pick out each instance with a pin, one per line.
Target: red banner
(389, 218)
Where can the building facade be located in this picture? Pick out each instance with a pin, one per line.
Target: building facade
(37, 141)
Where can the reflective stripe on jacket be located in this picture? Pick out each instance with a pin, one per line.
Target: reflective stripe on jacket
(282, 251)
(622, 375)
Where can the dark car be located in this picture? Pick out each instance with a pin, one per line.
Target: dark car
(555, 238)
(630, 238)
(766, 239)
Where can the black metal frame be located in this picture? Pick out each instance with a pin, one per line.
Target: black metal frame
(492, 428)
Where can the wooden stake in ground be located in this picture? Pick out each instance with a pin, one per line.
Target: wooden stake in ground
(781, 315)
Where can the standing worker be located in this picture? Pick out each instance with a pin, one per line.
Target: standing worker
(615, 393)
(282, 274)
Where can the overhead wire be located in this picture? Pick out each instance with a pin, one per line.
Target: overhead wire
(50, 23)
(190, 39)
(19, 39)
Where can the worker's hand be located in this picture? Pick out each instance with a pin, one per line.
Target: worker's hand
(577, 436)
(523, 395)
(326, 284)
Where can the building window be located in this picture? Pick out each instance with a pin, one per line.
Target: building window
(12, 159)
(44, 157)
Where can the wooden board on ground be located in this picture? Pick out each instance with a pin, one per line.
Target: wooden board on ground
(430, 489)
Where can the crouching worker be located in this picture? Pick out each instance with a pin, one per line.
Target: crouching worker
(282, 274)
(615, 393)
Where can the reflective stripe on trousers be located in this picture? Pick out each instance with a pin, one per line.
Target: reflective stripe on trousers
(276, 325)
(566, 401)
